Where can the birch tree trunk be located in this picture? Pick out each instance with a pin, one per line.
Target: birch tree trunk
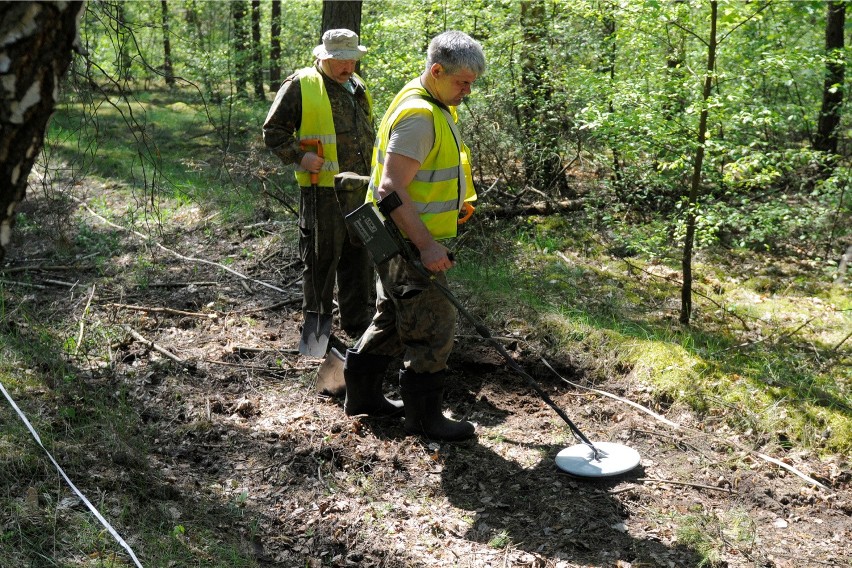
(36, 41)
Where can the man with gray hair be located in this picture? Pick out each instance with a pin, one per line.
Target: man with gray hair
(421, 177)
(321, 121)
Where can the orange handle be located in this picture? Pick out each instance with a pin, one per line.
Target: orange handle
(306, 145)
(465, 213)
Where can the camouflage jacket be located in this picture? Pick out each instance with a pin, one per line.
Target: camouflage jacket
(353, 124)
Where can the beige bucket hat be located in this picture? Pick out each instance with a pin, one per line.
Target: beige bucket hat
(339, 44)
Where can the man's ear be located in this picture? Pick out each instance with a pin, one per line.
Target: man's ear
(436, 69)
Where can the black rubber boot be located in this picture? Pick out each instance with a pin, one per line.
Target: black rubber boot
(423, 395)
(364, 374)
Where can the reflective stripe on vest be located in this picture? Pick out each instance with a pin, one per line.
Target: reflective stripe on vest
(435, 188)
(317, 124)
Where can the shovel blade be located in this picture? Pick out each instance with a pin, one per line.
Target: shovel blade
(330, 379)
(315, 333)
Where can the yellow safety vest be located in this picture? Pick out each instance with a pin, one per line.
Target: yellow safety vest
(318, 124)
(435, 188)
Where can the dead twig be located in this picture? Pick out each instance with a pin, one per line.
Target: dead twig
(172, 252)
(685, 484)
(274, 306)
(842, 341)
(279, 199)
(83, 321)
(163, 311)
(259, 367)
(180, 284)
(51, 268)
(61, 283)
(151, 345)
(24, 284)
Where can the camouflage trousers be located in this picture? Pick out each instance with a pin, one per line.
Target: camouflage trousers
(331, 257)
(413, 319)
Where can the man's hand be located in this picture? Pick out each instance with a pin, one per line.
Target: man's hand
(435, 257)
(312, 162)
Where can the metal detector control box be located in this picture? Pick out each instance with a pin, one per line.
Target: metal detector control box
(367, 222)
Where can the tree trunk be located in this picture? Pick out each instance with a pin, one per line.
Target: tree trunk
(542, 161)
(125, 62)
(835, 72)
(241, 49)
(168, 70)
(342, 14)
(275, 46)
(256, 50)
(611, 56)
(686, 263)
(37, 51)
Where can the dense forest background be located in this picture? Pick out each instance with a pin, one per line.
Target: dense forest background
(664, 213)
(612, 90)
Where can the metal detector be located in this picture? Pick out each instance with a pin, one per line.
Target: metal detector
(379, 232)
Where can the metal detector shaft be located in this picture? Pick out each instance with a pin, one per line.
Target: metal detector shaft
(485, 333)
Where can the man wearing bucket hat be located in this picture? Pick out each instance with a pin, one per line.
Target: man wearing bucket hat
(321, 121)
(421, 178)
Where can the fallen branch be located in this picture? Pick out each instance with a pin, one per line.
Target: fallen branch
(279, 199)
(24, 284)
(686, 484)
(151, 345)
(842, 341)
(259, 367)
(83, 321)
(274, 306)
(537, 208)
(180, 284)
(61, 283)
(162, 310)
(44, 268)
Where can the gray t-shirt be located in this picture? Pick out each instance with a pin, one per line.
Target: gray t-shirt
(413, 136)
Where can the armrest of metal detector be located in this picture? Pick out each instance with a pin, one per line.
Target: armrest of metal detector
(390, 202)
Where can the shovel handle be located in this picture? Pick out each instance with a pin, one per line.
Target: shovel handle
(465, 213)
(315, 144)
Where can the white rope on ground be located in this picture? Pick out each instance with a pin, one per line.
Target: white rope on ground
(676, 426)
(82, 497)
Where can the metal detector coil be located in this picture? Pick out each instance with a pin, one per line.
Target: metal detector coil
(383, 241)
(612, 459)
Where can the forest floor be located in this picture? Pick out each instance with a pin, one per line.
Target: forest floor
(236, 440)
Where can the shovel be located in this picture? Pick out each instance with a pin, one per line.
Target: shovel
(330, 379)
(317, 327)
